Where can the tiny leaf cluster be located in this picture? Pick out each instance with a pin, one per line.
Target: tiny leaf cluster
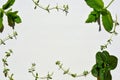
(6, 70)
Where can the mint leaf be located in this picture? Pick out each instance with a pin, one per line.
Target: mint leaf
(93, 17)
(8, 4)
(95, 4)
(13, 18)
(107, 21)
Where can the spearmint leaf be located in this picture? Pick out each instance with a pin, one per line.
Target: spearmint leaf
(13, 18)
(106, 56)
(107, 21)
(1, 20)
(17, 19)
(112, 62)
(95, 71)
(102, 74)
(95, 4)
(99, 59)
(105, 74)
(93, 17)
(8, 4)
(108, 76)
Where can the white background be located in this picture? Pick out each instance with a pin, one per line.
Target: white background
(46, 37)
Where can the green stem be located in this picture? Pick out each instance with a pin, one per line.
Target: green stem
(109, 4)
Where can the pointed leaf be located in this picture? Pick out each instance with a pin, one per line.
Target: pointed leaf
(17, 19)
(93, 17)
(8, 4)
(13, 18)
(107, 21)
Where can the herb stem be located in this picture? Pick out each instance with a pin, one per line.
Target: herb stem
(109, 4)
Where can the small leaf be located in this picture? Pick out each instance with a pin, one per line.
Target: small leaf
(93, 17)
(57, 63)
(8, 4)
(95, 4)
(11, 21)
(95, 71)
(17, 19)
(74, 75)
(107, 21)
(13, 18)
(67, 71)
(112, 62)
(99, 59)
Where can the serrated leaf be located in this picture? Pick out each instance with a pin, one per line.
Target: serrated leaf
(8, 4)
(107, 21)
(95, 4)
(93, 17)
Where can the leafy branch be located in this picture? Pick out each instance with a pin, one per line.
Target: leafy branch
(112, 34)
(5, 65)
(67, 71)
(2, 41)
(36, 75)
(104, 64)
(12, 16)
(48, 8)
(100, 13)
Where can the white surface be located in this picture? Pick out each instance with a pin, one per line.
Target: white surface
(47, 37)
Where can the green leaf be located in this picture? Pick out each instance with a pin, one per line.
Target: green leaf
(1, 20)
(66, 72)
(108, 76)
(11, 21)
(74, 75)
(106, 56)
(95, 71)
(107, 21)
(105, 74)
(95, 4)
(93, 17)
(99, 59)
(102, 74)
(13, 18)
(17, 19)
(112, 62)
(8, 4)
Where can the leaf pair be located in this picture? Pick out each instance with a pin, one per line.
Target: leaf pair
(13, 18)
(104, 63)
(98, 9)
